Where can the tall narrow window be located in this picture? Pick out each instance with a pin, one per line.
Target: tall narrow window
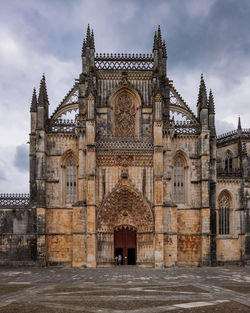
(70, 180)
(224, 206)
(229, 162)
(179, 180)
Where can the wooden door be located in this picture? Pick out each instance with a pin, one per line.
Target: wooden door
(125, 244)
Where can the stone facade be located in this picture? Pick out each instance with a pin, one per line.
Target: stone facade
(136, 172)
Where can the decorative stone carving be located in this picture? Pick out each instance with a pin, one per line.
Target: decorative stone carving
(125, 145)
(124, 206)
(125, 116)
(224, 201)
(124, 159)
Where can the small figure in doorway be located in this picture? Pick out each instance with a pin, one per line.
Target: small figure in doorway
(116, 260)
(119, 259)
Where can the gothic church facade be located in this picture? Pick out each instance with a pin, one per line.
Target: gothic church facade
(135, 173)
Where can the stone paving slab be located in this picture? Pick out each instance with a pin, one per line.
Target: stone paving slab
(125, 290)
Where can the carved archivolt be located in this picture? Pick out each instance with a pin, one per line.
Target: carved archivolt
(124, 206)
(67, 155)
(124, 115)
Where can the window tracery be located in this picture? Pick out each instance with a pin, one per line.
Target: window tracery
(71, 174)
(178, 190)
(224, 207)
(229, 162)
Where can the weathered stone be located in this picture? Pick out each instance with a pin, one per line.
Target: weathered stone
(135, 161)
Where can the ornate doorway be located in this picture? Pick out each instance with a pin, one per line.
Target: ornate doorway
(125, 244)
(125, 221)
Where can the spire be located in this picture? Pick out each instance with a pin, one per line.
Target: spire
(211, 108)
(45, 89)
(33, 107)
(239, 124)
(88, 37)
(88, 41)
(43, 96)
(202, 97)
(159, 37)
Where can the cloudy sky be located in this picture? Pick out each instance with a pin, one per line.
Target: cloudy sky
(203, 36)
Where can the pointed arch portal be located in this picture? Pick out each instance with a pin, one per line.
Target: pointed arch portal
(125, 226)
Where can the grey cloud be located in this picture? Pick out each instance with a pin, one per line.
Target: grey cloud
(21, 158)
(202, 36)
(2, 175)
(223, 127)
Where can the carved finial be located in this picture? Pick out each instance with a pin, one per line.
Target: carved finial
(211, 107)
(43, 96)
(88, 37)
(92, 40)
(155, 42)
(84, 48)
(159, 37)
(33, 107)
(164, 49)
(45, 89)
(239, 124)
(202, 97)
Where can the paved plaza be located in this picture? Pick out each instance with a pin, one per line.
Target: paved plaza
(125, 289)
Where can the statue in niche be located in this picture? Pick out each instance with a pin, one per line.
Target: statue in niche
(125, 116)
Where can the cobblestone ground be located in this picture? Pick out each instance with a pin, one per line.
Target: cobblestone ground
(125, 289)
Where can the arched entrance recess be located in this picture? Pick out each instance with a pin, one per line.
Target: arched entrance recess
(125, 208)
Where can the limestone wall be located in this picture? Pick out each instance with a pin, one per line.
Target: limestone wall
(189, 236)
(17, 236)
(230, 247)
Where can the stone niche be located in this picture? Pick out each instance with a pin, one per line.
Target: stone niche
(125, 114)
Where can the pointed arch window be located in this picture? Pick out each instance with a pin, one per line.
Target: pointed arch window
(229, 162)
(224, 207)
(71, 174)
(178, 180)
